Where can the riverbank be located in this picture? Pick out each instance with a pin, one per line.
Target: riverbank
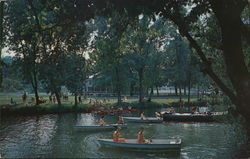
(42, 109)
(86, 106)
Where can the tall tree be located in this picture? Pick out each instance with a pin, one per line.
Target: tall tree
(24, 41)
(108, 53)
(75, 74)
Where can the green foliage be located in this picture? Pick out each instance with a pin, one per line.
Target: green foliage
(75, 73)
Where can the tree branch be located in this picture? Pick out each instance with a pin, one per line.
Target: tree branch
(201, 54)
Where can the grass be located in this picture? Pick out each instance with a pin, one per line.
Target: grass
(68, 106)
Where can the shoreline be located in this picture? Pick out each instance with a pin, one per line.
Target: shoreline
(22, 110)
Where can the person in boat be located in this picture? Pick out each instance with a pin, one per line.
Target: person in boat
(158, 115)
(171, 110)
(143, 117)
(101, 121)
(120, 121)
(117, 135)
(140, 137)
(194, 110)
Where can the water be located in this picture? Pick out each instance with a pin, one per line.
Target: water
(52, 136)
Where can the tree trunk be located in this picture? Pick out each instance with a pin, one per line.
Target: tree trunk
(1, 42)
(180, 93)
(151, 93)
(232, 51)
(131, 91)
(36, 95)
(176, 90)
(231, 29)
(36, 89)
(140, 72)
(198, 92)
(76, 103)
(118, 88)
(35, 86)
(189, 88)
(147, 90)
(185, 91)
(157, 91)
(58, 98)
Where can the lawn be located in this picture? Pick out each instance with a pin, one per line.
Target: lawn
(68, 105)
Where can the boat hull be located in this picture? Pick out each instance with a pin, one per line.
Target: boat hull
(138, 120)
(157, 145)
(99, 128)
(193, 117)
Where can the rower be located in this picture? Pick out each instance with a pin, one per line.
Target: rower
(140, 137)
(120, 121)
(158, 115)
(171, 110)
(143, 116)
(101, 121)
(117, 135)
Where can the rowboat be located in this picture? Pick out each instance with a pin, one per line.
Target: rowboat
(156, 145)
(200, 117)
(139, 120)
(98, 127)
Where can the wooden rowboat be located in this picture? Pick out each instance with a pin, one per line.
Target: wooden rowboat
(139, 120)
(98, 127)
(156, 145)
(200, 117)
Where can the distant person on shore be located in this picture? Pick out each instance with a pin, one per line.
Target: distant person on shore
(32, 100)
(80, 99)
(24, 97)
(90, 101)
(117, 136)
(143, 117)
(12, 102)
(102, 122)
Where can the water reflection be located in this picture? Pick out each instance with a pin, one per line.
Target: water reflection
(53, 136)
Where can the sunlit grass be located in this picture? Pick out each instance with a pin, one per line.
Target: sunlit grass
(68, 105)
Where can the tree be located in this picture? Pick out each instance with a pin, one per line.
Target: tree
(75, 74)
(1, 40)
(24, 41)
(138, 45)
(108, 55)
(233, 32)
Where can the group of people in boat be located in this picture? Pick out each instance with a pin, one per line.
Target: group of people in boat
(157, 115)
(117, 137)
(103, 123)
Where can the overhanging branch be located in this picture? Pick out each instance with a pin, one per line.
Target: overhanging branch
(201, 54)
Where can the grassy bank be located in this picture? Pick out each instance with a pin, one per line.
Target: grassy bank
(68, 106)
(42, 109)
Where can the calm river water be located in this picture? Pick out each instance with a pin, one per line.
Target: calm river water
(53, 136)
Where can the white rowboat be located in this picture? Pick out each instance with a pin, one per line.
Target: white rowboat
(98, 127)
(156, 145)
(139, 120)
